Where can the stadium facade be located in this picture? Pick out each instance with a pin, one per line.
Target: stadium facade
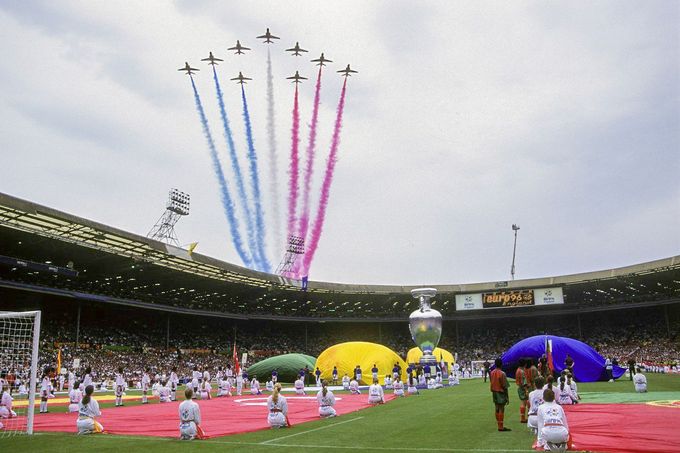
(47, 255)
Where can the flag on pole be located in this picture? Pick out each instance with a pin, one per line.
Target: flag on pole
(192, 247)
(58, 370)
(237, 367)
(548, 354)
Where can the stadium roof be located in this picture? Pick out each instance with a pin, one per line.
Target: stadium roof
(128, 268)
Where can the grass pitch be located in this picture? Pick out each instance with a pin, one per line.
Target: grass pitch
(458, 419)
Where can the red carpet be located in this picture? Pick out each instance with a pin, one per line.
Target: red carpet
(221, 416)
(624, 428)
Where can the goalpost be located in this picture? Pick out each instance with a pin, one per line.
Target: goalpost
(19, 342)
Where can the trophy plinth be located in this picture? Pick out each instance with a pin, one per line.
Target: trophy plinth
(426, 325)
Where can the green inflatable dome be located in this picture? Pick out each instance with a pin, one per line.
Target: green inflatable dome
(288, 366)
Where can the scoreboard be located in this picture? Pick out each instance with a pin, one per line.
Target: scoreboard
(509, 298)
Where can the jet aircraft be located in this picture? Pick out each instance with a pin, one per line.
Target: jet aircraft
(213, 61)
(297, 78)
(296, 50)
(189, 70)
(239, 48)
(268, 37)
(241, 79)
(321, 60)
(347, 72)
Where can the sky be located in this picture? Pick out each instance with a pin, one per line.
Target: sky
(466, 117)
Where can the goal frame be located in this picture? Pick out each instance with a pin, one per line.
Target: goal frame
(35, 349)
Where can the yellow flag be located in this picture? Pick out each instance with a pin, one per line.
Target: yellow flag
(191, 247)
(58, 370)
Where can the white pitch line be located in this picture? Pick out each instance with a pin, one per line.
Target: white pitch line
(215, 441)
(310, 430)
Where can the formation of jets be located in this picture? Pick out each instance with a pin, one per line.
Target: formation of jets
(241, 79)
(239, 48)
(268, 37)
(296, 50)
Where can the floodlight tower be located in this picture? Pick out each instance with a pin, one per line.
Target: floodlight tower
(296, 247)
(515, 228)
(177, 207)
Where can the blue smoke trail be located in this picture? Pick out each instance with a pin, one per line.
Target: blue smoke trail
(226, 198)
(255, 181)
(243, 198)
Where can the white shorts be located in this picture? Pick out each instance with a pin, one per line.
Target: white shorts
(6, 413)
(299, 391)
(326, 411)
(533, 421)
(73, 407)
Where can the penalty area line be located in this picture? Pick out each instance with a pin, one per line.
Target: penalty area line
(310, 431)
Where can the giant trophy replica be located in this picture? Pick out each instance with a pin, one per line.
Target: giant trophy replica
(425, 325)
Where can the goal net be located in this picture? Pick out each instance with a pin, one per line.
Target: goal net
(19, 338)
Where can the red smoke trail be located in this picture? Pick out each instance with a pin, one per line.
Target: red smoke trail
(294, 167)
(309, 169)
(325, 187)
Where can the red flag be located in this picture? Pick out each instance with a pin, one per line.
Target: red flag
(548, 353)
(237, 367)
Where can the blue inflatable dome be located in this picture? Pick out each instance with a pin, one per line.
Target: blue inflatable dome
(588, 364)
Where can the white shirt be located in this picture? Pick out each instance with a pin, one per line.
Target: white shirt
(120, 380)
(375, 392)
(345, 382)
(87, 380)
(75, 396)
(90, 409)
(189, 412)
(398, 388)
(535, 400)
(552, 415)
(640, 381)
(328, 400)
(281, 404)
(206, 375)
(6, 400)
(145, 382)
(173, 378)
(353, 384)
(45, 385)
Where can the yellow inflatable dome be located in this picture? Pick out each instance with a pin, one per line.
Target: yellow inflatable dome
(346, 356)
(415, 354)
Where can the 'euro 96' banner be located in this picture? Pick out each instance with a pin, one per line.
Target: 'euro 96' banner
(509, 298)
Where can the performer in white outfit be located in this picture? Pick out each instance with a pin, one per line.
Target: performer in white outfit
(239, 384)
(269, 386)
(44, 393)
(398, 387)
(189, 417)
(87, 379)
(552, 424)
(225, 388)
(120, 387)
(388, 382)
(61, 382)
(164, 393)
(278, 409)
(354, 387)
(146, 382)
(74, 396)
(174, 380)
(326, 401)
(566, 397)
(535, 400)
(574, 388)
(412, 389)
(345, 382)
(6, 403)
(255, 387)
(640, 382)
(195, 376)
(299, 387)
(375, 393)
(88, 409)
(71, 380)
